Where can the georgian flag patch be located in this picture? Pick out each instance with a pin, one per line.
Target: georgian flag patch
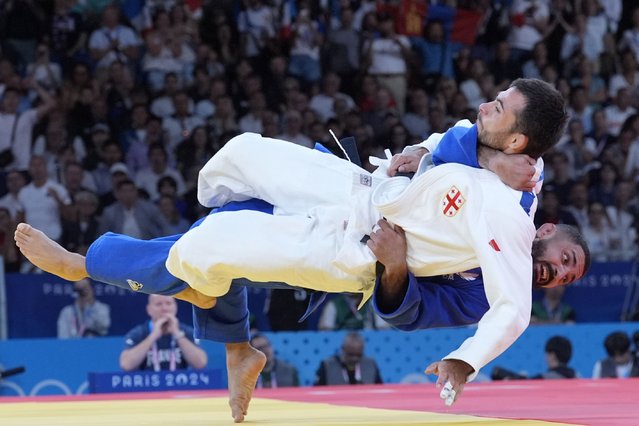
(452, 202)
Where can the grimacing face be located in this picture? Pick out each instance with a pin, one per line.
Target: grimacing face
(557, 261)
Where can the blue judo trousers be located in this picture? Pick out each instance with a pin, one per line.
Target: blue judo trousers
(139, 265)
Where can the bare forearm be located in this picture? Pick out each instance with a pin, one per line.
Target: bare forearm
(131, 358)
(392, 289)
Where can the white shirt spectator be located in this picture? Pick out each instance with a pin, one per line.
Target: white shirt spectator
(619, 81)
(147, 179)
(631, 168)
(615, 118)
(525, 36)
(41, 209)
(12, 203)
(103, 37)
(250, 123)
(298, 139)
(21, 137)
(323, 104)
(256, 24)
(386, 56)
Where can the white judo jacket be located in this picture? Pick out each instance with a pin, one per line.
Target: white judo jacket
(455, 218)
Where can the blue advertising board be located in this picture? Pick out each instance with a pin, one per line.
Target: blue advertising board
(152, 381)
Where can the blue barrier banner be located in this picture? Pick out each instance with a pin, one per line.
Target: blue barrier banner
(34, 302)
(152, 381)
(607, 293)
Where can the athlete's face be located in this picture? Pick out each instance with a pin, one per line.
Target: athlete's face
(557, 261)
(496, 121)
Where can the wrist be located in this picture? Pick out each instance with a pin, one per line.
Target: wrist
(179, 335)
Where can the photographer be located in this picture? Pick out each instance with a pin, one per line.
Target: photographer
(86, 317)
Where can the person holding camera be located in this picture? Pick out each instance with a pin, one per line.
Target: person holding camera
(86, 317)
(162, 343)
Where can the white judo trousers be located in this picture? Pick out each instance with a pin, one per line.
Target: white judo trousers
(455, 218)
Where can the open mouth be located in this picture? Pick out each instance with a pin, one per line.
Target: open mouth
(543, 274)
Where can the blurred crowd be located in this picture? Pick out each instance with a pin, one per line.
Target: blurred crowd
(109, 108)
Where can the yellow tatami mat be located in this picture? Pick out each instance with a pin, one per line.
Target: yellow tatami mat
(200, 411)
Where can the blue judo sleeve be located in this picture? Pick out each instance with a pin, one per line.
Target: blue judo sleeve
(441, 301)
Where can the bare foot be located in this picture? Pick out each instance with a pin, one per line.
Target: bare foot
(244, 364)
(196, 298)
(48, 255)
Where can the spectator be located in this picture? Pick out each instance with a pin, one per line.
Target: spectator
(305, 51)
(559, 176)
(176, 224)
(579, 148)
(529, 22)
(342, 50)
(349, 366)
(580, 40)
(551, 310)
(113, 41)
(386, 58)
(619, 111)
(324, 102)
(504, 67)
(48, 74)
(628, 78)
(558, 351)
(148, 177)
(579, 204)
(162, 343)
(86, 317)
(630, 37)
(252, 120)
(67, 33)
(293, 130)
(620, 362)
(277, 373)
(43, 200)
(603, 239)
(15, 182)
(604, 186)
(81, 228)
(416, 119)
(256, 25)
(22, 26)
(435, 54)
(132, 216)
(163, 106)
(551, 210)
(622, 220)
(533, 67)
(16, 127)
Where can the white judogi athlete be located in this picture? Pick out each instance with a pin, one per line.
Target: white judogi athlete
(455, 218)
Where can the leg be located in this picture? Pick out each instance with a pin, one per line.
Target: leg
(48, 255)
(244, 364)
(229, 323)
(286, 175)
(296, 249)
(109, 256)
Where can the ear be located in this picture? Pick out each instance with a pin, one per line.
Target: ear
(546, 230)
(516, 144)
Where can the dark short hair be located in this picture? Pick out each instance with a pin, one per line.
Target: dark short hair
(561, 347)
(573, 234)
(617, 343)
(544, 116)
